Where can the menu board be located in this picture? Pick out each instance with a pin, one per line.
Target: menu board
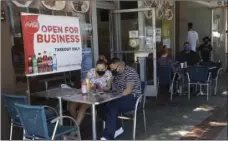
(52, 44)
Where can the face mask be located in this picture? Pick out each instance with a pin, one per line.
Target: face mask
(100, 73)
(206, 42)
(187, 47)
(115, 72)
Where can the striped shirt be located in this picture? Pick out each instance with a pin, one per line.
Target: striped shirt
(128, 75)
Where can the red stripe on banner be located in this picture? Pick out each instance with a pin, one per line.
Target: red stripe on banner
(30, 26)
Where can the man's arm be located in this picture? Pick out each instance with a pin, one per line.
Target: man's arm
(129, 84)
(129, 88)
(197, 40)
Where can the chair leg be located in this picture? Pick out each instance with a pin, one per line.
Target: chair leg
(134, 125)
(11, 130)
(103, 124)
(24, 134)
(171, 95)
(144, 119)
(189, 91)
(216, 86)
(208, 85)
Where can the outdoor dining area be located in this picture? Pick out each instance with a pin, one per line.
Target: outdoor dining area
(45, 122)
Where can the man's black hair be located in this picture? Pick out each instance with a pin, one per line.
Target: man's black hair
(186, 43)
(190, 25)
(114, 60)
(206, 38)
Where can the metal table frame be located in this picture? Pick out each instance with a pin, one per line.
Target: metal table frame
(93, 106)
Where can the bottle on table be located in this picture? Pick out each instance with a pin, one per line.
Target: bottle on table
(50, 62)
(34, 64)
(84, 87)
(88, 85)
(40, 63)
(54, 65)
(45, 62)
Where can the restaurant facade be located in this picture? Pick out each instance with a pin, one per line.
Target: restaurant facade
(133, 31)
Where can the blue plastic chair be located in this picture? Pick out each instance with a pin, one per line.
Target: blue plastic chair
(198, 75)
(34, 121)
(10, 101)
(166, 76)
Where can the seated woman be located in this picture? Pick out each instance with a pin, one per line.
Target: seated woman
(165, 60)
(99, 77)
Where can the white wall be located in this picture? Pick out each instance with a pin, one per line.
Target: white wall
(200, 16)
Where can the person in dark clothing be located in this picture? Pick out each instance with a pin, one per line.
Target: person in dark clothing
(205, 50)
(187, 55)
(165, 60)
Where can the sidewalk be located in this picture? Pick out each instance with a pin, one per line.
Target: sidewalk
(178, 119)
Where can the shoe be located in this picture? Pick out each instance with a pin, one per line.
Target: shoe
(118, 132)
(102, 138)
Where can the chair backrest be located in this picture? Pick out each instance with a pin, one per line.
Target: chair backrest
(214, 72)
(10, 101)
(164, 74)
(33, 120)
(198, 74)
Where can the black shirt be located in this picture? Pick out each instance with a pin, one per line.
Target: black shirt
(205, 51)
(192, 58)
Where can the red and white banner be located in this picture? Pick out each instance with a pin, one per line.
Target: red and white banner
(51, 43)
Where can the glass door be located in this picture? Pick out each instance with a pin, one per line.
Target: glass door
(133, 39)
(219, 35)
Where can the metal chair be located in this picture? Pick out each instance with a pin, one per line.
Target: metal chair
(215, 72)
(139, 106)
(165, 76)
(10, 101)
(34, 121)
(199, 75)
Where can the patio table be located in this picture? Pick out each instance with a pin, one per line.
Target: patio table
(75, 95)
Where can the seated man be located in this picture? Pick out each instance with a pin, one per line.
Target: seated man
(189, 56)
(126, 81)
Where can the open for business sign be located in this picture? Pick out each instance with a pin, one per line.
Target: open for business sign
(52, 44)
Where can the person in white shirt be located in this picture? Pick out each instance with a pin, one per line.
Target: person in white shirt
(193, 37)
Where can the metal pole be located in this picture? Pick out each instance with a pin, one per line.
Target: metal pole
(174, 31)
(60, 110)
(94, 122)
(95, 31)
(226, 29)
(28, 90)
(154, 48)
(212, 38)
(141, 27)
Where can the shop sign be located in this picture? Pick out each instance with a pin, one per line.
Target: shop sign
(52, 44)
(134, 34)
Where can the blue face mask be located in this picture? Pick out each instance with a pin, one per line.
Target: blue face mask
(187, 47)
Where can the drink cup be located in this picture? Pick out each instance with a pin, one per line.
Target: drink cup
(185, 65)
(182, 65)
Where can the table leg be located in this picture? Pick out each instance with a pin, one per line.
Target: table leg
(60, 110)
(94, 128)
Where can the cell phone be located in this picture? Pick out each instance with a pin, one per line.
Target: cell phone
(100, 92)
